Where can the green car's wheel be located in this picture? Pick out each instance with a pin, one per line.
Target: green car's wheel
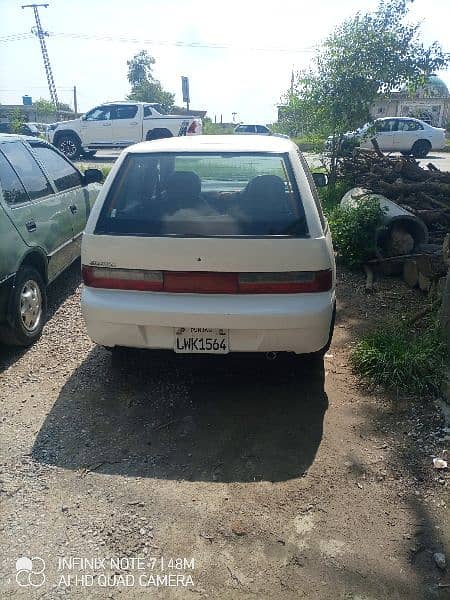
(28, 305)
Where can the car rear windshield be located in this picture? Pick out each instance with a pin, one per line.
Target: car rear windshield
(208, 194)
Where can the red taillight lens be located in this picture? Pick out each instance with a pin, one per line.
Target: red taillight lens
(291, 282)
(207, 282)
(122, 279)
(193, 126)
(201, 282)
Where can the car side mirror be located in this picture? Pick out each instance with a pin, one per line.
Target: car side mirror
(320, 179)
(83, 117)
(93, 176)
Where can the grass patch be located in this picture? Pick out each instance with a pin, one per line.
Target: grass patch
(403, 359)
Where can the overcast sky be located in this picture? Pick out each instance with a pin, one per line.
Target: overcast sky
(246, 77)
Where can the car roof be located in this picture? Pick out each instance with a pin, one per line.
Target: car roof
(215, 143)
(128, 102)
(399, 119)
(14, 137)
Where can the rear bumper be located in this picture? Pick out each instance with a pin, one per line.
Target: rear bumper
(297, 323)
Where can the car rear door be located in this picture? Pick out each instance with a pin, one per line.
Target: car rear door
(213, 213)
(17, 203)
(51, 224)
(69, 185)
(385, 129)
(97, 126)
(408, 131)
(126, 124)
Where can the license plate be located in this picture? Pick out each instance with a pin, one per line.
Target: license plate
(198, 340)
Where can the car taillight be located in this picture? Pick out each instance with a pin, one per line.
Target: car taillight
(208, 282)
(122, 279)
(291, 282)
(203, 282)
(193, 127)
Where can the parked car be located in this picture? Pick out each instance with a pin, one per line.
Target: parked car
(245, 129)
(44, 205)
(395, 134)
(41, 127)
(25, 129)
(218, 245)
(117, 125)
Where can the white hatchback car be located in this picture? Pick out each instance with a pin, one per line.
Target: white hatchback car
(209, 244)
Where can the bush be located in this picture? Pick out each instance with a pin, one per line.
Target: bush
(402, 359)
(330, 196)
(353, 230)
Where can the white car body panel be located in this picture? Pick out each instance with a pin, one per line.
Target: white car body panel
(257, 322)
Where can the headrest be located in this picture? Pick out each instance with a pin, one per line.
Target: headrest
(265, 185)
(184, 184)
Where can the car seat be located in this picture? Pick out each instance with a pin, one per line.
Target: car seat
(183, 190)
(264, 198)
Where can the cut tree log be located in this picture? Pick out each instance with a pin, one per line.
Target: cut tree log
(369, 278)
(424, 192)
(444, 314)
(431, 265)
(410, 273)
(424, 282)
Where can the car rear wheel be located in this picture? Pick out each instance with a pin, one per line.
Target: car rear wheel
(158, 134)
(69, 145)
(27, 309)
(421, 148)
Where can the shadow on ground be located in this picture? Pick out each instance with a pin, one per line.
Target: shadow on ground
(63, 287)
(208, 418)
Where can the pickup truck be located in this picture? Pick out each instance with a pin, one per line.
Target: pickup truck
(117, 125)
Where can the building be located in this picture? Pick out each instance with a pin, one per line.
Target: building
(430, 103)
(30, 114)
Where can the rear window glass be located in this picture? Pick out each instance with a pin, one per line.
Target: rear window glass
(204, 195)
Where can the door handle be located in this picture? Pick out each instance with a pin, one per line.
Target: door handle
(73, 209)
(133, 123)
(106, 124)
(31, 225)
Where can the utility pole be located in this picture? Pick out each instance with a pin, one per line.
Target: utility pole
(75, 104)
(40, 33)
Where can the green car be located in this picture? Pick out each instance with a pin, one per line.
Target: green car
(44, 205)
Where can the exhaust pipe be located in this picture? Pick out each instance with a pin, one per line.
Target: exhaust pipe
(271, 355)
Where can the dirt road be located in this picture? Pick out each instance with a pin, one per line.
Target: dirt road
(265, 479)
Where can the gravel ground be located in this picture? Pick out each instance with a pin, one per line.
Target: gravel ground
(264, 479)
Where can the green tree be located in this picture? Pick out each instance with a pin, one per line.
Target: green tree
(16, 121)
(144, 86)
(46, 107)
(43, 106)
(367, 55)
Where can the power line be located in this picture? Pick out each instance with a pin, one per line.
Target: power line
(176, 43)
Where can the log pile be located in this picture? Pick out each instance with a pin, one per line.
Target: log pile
(424, 192)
